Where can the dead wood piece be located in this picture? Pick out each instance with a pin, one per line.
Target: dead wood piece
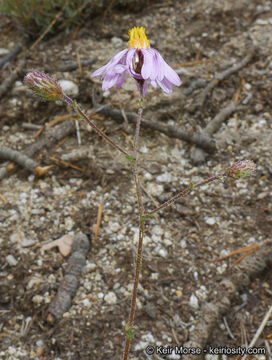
(68, 286)
(198, 155)
(198, 139)
(212, 312)
(70, 67)
(195, 84)
(30, 126)
(21, 159)
(221, 76)
(54, 135)
(11, 55)
(11, 79)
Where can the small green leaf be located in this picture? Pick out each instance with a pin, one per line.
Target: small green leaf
(129, 332)
(191, 186)
(130, 158)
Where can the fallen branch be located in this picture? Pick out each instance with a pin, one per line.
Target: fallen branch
(11, 55)
(69, 284)
(11, 79)
(222, 76)
(198, 155)
(23, 160)
(225, 291)
(53, 136)
(70, 67)
(201, 141)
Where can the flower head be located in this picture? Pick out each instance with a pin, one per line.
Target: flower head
(143, 63)
(44, 86)
(241, 169)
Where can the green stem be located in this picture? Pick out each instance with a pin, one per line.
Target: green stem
(78, 110)
(141, 235)
(190, 188)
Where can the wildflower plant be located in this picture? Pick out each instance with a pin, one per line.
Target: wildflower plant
(145, 65)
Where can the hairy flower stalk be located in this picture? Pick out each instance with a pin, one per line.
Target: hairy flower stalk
(145, 65)
(49, 89)
(238, 170)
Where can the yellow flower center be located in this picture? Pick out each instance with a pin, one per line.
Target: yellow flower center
(138, 39)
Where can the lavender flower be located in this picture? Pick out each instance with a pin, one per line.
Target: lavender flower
(143, 63)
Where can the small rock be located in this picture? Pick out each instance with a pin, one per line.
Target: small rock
(11, 260)
(69, 87)
(111, 298)
(193, 302)
(37, 299)
(86, 302)
(262, 195)
(210, 220)
(116, 41)
(166, 178)
(163, 253)
(69, 223)
(3, 51)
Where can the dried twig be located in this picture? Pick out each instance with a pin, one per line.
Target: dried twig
(98, 221)
(68, 286)
(23, 160)
(200, 140)
(11, 79)
(198, 155)
(195, 84)
(49, 27)
(213, 311)
(53, 136)
(11, 55)
(70, 67)
(67, 164)
(221, 76)
(260, 330)
(30, 126)
(3, 199)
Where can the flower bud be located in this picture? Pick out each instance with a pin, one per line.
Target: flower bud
(241, 169)
(44, 86)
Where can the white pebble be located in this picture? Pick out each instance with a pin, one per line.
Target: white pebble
(210, 220)
(111, 298)
(37, 299)
(11, 260)
(3, 51)
(163, 253)
(86, 302)
(69, 87)
(193, 302)
(165, 178)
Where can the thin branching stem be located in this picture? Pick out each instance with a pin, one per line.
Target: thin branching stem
(186, 191)
(79, 111)
(129, 331)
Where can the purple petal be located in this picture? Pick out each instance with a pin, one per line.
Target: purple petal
(154, 84)
(166, 85)
(171, 75)
(109, 81)
(114, 61)
(150, 65)
(120, 80)
(166, 71)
